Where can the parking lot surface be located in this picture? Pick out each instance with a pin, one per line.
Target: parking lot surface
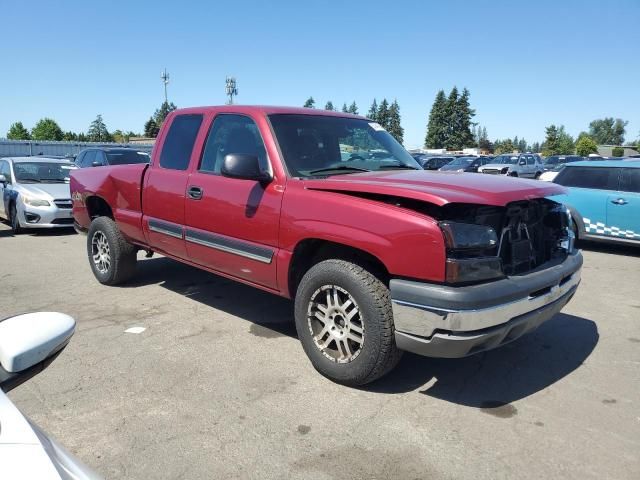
(217, 385)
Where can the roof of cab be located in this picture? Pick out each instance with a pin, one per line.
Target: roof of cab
(621, 163)
(266, 110)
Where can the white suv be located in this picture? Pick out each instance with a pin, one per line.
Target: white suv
(528, 165)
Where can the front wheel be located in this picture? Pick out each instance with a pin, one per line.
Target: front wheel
(112, 258)
(345, 322)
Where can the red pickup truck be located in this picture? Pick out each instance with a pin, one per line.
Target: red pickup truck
(328, 209)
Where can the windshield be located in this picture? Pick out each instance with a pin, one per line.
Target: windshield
(460, 162)
(505, 159)
(318, 145)
(120, 157)
(42, 172)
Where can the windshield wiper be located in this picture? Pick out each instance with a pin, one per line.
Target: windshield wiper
(54, 180)
(341, 167)
(29, 180)
(398, 165)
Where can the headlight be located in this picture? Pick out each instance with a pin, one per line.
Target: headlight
(470, 270)
(36, 202)
(460, 236)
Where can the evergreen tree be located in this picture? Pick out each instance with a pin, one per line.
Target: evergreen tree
(395, 128)
(82, 137)
(98, 131)
(522, 145)
(383, 114)
(437, 126)
(372, 114)
(566, 145)
(550, 145)
(310, 103)
(503, 146)
(70, 136)
(345, 109)
(18, 132)
(160, 114)
(535, 148)
(353, 108)
(452, 119)
(47, 129)
(151, 128)
(329, 106)
(462, 123)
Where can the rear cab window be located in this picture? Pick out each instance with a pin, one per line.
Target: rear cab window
(598, 178)
(630, 180)
(179, 142)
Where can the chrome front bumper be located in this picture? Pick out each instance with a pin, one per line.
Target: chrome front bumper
(444, 321)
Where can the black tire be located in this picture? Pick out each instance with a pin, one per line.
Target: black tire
(377, 353)
(103, 233)
(513, 174)
(537, 175)
(13, 219)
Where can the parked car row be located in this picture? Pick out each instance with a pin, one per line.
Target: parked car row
(34, 191)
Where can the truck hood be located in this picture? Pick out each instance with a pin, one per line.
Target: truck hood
(497, 166)
(46, 190)
(439, 188)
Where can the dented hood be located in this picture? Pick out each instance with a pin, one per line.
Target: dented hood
(439, 188)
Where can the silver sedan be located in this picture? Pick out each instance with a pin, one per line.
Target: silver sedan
(34, 192)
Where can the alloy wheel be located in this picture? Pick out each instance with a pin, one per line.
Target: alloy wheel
(100, 252)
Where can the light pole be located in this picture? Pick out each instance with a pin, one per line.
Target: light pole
(165, 79)
(231, 89)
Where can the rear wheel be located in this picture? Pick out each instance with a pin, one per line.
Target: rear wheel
(345, 322)
(15, 221)
(513, 174)
(538, 175)
(112, 258)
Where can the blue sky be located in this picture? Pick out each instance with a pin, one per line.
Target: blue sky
(527, 64)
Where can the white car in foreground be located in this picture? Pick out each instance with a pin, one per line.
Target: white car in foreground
(28, 344)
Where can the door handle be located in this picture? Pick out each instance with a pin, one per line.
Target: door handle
(195, 193)
(619, 201)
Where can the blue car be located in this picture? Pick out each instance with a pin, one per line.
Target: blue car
(604, 199)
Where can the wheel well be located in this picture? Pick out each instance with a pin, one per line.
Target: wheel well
(311, 251)
(98, 207)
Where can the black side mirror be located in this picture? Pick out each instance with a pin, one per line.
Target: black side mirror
(245, 167)
(96, 164)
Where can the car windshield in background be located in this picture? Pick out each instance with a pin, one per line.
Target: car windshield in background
(458, 163)
(322, 145)
(121, 157)
(42, 172)
(505, 159)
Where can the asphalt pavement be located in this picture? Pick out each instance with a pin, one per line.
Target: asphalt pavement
(217, 385)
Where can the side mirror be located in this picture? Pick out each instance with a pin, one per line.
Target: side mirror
(96, 164)
(29, 343)
(3, 180)
(245, 167)
(522, 162)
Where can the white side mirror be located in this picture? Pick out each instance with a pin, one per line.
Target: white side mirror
(29, 343)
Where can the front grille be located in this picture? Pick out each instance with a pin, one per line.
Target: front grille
(63, 203)
(62, 221)
(491, 171)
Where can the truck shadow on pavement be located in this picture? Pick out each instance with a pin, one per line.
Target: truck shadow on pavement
(490, 380)
(498, 377)
(612, 248)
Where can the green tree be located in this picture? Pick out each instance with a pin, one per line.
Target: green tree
(503, 146)
(98, 131)
(329, 106)
(353, 108)
(151, 128)
(345, 109)
(310, 103)
(550, 145)
(617, 152)
(586, 145)
(452, 141)
(437, 127)
(384, 118)
(70, 136)
(460, 126)
(372, 114)
(535, 148)
(18, 132)
(566, 144)
(607, 131)
(47, 129)
(161, 113)
(395, 128)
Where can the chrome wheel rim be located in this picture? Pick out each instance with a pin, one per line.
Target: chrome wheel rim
(335, 324)
(100, 252)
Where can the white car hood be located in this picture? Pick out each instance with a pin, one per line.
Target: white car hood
(497, 166)
(47, 191)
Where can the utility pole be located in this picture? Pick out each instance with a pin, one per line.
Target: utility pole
(165, 79)
(231, 89)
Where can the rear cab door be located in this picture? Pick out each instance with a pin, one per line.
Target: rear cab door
(232, 225)
(623, 207)
(165, 184)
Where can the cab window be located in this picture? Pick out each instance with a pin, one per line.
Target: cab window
(599, 178)
(630, 180)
